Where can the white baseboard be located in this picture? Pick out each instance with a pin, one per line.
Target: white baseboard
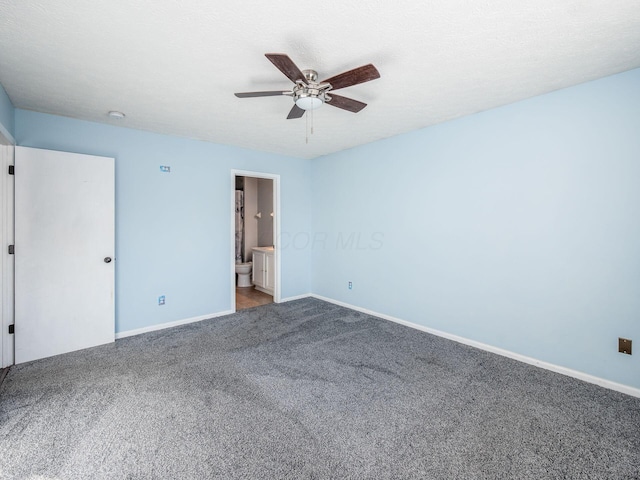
(635, 392)
(162, 326)
(296, 297)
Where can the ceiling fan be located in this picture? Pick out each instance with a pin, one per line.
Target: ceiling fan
(308, 93)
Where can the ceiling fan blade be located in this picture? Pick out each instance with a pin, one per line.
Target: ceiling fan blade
(274, 93)
(353, 77)
(296, 112)
(286, 66)
(345, 103)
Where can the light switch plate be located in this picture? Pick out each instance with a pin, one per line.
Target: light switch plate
(624, 345)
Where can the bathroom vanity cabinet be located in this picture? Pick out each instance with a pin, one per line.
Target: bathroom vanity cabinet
(264, 269)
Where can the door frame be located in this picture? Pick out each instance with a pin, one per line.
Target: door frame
(276, 230)
(7, 152)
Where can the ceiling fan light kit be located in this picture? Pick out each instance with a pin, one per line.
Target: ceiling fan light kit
(308, 93)
(309, 102)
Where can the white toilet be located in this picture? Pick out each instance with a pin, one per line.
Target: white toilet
(244, 274)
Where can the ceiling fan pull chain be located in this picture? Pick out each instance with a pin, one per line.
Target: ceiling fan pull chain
(311, 122)
(306, 128)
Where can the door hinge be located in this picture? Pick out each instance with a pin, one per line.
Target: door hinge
(11, 329)
(12, 249)
(12, 170)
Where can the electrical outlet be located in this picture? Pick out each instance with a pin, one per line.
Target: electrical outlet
(624, 345)
(161, 300)
(350, 285)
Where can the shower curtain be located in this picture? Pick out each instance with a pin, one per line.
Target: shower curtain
(239, 224)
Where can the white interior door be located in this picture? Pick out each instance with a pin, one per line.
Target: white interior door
(64, 251)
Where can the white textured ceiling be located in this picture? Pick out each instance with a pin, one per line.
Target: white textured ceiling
(173, 66)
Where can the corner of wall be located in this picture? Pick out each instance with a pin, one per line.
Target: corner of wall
(7, 115)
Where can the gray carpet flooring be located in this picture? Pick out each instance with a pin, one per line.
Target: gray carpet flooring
(307, 390)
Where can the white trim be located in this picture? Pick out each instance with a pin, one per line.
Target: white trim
(177, 323)
(7, 350)
(276, 230)
(618, 387)
(162, 326)
(296, 297)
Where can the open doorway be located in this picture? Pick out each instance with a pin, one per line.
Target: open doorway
(255, 228)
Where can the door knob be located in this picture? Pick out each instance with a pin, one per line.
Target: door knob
(107, 259)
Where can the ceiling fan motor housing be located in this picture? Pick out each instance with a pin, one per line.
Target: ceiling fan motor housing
(312, 95)
(311, 75)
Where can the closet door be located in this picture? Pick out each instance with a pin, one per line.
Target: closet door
(64, 252)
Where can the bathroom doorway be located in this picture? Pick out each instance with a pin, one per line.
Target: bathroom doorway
(255, 228)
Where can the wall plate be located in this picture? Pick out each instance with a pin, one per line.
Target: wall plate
(624, 345)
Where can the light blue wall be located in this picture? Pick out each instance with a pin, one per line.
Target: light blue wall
(518, 227)
(6, 111)
(173, 230)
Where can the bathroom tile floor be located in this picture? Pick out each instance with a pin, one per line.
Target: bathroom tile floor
(247, 297)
